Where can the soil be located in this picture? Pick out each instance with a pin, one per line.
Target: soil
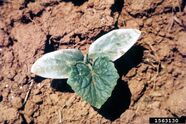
(153, 79)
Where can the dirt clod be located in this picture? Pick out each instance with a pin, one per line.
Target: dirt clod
(176, 102)
(153, 71)
(17, 102)
(3, 39)
(37, 99)
(136, 89)
(8, 114)
(181, 43)
(30, 108)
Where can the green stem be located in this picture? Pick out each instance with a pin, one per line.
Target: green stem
(86, 61)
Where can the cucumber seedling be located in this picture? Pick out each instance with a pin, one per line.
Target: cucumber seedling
(94, 75)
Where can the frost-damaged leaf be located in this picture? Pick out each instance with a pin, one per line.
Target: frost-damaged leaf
(114, 44)
(94, 84)
(57, 64)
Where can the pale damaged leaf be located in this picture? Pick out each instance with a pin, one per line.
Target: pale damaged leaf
(114, 44)
(94, 83)
(57, 64)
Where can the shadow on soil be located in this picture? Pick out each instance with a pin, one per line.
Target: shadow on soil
(1, 2)
(121, 96)
(38, 79)
(50, 45)
(57, 84)
(76, 2)
(117, 6)
(61, 85)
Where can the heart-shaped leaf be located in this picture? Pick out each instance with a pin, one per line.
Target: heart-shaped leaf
(57, 64)
(94, 83)
(114, 44)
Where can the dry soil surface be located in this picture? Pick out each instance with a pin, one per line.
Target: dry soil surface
(153, 79)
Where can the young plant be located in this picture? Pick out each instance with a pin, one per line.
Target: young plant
(94, 75)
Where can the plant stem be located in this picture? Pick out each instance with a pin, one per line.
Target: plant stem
(86, 61)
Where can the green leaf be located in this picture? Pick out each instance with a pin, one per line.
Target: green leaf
(114, 44)
(57, 64)
(94, 83)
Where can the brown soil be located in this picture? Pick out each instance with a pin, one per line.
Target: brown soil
(153, 79)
